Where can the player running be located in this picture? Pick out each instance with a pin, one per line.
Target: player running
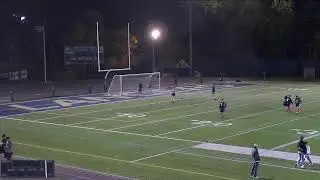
(222, 107)
(298, 102)
(302, 151)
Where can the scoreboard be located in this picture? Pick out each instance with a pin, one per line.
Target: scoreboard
(28, 169)
(83, 55)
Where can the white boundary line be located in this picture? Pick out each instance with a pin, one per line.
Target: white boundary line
(125, 161)
(164, 109)
(85, 170)
(134, 99)
(293, 142)
(247, 162)
(227, 137)
(51, 111)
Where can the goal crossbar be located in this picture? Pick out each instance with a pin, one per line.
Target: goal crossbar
(129, 83)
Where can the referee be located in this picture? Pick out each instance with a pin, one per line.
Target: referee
(255, 161)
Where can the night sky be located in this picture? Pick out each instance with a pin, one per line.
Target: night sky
(211, 36)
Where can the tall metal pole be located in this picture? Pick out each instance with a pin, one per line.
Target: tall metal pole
(98, 46)
(44, 53)
(190, 39)
(153, 56)
(129, 46)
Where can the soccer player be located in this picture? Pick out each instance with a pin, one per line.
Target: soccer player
(140, 89)
(287, 102)
(255, 161)
(308, 154)
(213, 89)
(298, 102)
(8, 149)
(302, 151)
(3, 143)
(173, 94)
(222, 107)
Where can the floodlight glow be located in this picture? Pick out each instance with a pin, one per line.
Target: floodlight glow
(155, 34)
(22, 18)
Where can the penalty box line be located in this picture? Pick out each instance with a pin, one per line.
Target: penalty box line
(125, 161)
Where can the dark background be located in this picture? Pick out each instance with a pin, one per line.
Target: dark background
(242, 38)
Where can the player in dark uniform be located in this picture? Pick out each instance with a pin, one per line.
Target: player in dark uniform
(298, 102)
(140, 89)
(287, 102)
(3, 143)
(222, 107)
(173, 94)
(302, 151)
(213, 89)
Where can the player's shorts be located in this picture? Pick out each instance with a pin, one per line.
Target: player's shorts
(222, 110)
(297, 104)
(173, 94)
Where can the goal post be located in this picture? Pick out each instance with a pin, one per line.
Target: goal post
(129, 83)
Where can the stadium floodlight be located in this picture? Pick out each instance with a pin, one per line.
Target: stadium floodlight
(128, 84)
(22, 18)
(155, 34)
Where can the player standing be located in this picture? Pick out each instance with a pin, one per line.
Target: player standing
(308, 154)
(302, 151)
(287, 102)
(213, 89)
(173, 94)
(255, 161)
(3, 143)
(222, 107)
(298, 102)
(140, 89)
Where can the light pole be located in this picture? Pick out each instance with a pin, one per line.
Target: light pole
(155, 34)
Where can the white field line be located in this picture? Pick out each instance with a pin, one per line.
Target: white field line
(56, 111)
(293, 142)
(83, 169)
(102, 130)
(227, 137)
(179, 117)
(148, 104)
(156, 121)
(248, 162)
(126, 161)
(106, 130)
(161, 110)
(204, 125)
(59, 115)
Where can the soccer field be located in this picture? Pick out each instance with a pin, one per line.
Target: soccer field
(155, 139)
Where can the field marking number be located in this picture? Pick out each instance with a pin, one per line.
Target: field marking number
(131, 115)
(305, 132)
(221, 124)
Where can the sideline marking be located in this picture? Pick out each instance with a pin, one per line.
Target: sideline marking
(126, 161)
(83, 169)
(226, 137)
(247, 162)
(294, 142)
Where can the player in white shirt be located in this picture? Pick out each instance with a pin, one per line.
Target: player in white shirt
(308, 154)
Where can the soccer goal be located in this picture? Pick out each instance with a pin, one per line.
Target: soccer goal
(129, 83)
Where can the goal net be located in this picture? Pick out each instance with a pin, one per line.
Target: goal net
(129, 83)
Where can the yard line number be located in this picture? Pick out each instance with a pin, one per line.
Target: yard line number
(131, 115)
(220, 124)
(305, 132)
